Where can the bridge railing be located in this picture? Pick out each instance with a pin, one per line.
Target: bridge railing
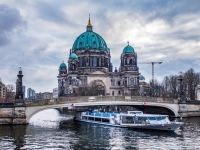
(98, 98)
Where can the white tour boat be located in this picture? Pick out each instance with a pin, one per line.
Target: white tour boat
(131, 119)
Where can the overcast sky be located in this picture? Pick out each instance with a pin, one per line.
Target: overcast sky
(37, 35)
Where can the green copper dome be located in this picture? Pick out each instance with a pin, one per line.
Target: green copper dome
(89, 40)
(63, 65)
(73, 56)
(128, 49)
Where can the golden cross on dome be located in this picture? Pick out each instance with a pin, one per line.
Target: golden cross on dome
(89, 23)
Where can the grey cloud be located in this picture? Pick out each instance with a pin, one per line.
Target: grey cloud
(10, 19)
(154, 9)
(53, 12)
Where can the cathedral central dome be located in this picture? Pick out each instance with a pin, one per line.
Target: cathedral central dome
(89, 40)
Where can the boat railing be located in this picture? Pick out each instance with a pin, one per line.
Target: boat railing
(101, 114)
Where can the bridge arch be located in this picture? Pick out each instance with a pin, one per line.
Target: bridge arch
(31, 111)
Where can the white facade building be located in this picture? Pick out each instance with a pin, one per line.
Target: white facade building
(55, 93)
(198, 92)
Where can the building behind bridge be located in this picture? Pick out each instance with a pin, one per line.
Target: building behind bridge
(2, 90)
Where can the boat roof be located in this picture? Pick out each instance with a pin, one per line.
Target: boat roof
(144, 115)
(107, 114)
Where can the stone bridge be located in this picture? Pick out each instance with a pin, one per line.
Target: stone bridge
(22, 113)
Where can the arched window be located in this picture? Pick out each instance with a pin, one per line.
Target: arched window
(132, 82)
(119, 93)
(130, 62)
(112, 82)
(113, 93)
(74, 83)
(118, 83)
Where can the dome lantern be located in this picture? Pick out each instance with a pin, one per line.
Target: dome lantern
(89, 26)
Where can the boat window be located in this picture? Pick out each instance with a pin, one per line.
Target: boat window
(105, 120)
(90, 118)
(161, 118)
(152, 118)
(98, 119)
(127, 120)
(133, 112)
(141, 120)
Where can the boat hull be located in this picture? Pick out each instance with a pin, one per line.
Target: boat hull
(163, 127)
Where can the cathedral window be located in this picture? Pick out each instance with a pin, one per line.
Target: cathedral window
(130, 62)
(113, 93)
(74, 83)
(94, 44)
(90, 61)
(80, 61)
(132, 82)
(119, 93)
(125, 82)
(100, 62)
(112, 82)
(94, 61)
(118, 83)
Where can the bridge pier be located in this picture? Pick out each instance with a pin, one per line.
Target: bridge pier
(14, 115)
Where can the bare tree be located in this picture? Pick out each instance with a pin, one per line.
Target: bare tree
(92, 90)
(190, 82)
(10, 94)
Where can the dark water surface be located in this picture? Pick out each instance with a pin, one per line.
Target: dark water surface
(44, 132)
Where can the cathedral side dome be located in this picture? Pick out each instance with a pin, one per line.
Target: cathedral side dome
(89, 40)
(141, 77)
(63, 65)
(128, 49)
(73, 56)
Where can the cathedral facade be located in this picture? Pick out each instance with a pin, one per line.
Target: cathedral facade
(90, 64)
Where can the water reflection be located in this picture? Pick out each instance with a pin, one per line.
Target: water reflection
(46, 132)
(12, 137)
(49, 118)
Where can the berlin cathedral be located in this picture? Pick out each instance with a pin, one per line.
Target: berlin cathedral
(90, 64)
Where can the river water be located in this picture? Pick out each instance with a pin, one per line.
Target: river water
(45, 132)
